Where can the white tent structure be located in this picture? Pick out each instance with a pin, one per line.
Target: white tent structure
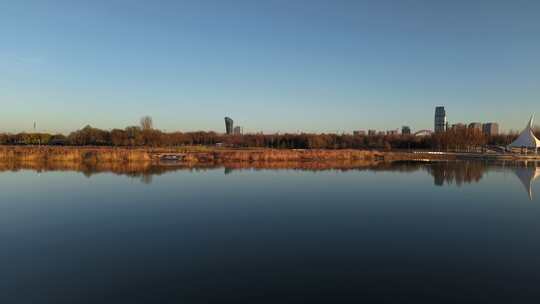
(526, 138)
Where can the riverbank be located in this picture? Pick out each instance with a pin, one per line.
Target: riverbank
(214, 155)
(200, 155)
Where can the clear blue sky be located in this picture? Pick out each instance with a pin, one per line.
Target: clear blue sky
(275, 65)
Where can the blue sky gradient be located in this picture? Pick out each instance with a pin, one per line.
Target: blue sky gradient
(275, 65)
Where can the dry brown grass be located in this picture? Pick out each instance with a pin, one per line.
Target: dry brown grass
(199, 155)
(74, 154)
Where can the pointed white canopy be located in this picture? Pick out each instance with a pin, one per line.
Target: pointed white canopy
(526, 138)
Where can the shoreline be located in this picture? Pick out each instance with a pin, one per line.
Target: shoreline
(204, 155)
(212, 155)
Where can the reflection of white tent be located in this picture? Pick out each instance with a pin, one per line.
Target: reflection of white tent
(527, 176)
(526, 139)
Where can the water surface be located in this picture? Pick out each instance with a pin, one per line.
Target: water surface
(399, 233)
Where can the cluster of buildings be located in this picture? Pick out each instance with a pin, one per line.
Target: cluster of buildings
(441, 124)
(405, 130)
(230, 129)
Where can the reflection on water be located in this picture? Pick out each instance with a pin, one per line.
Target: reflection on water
(473, 171)
(527, 175)
(456, 172)
(443, 172)
(404, 232)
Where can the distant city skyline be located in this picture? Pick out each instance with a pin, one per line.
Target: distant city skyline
(276, 66)
(441, 124)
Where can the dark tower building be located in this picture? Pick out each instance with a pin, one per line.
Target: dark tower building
(229, 125)
(405, 130)
(440, 120)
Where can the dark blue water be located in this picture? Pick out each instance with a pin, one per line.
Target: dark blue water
(432, 233)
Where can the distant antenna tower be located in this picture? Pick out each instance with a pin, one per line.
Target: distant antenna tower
(34, 126)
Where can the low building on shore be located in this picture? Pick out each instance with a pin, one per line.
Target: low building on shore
(458, 126)
(490, 128)
(238, 130)
(476, 126)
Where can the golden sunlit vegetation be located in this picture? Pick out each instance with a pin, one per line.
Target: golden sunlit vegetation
(219, 155)
(144, 135)
(461, 139)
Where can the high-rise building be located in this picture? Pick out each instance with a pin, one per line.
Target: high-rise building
(359, 133)
(372, 132)
(491, 128)
(229, 125)
(405, 130)
(440, 119)
(392, 132)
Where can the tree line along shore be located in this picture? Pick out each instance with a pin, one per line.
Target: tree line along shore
(461, 139)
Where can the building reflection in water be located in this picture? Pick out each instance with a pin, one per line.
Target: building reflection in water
(527, 176)
(456, 172)
(473, 171)
(443, 172)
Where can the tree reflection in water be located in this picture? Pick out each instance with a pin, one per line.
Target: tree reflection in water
(472, 171)
(443, 172)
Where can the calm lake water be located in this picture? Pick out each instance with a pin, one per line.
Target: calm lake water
(402, 233)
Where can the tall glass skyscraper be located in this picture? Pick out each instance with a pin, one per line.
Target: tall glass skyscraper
(440, 119)
(229, 125)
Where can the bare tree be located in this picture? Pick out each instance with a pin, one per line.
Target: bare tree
(147, 123)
